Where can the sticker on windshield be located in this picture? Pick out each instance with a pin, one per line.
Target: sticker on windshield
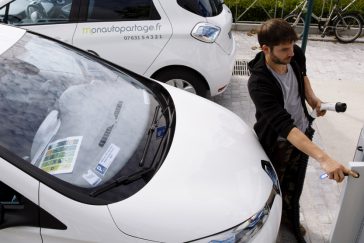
(61, 155)
(107, 159)
(91, 178)
(161, 131)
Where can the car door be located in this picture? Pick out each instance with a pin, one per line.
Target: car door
(19, 221)
(128, 33)
(54, 18)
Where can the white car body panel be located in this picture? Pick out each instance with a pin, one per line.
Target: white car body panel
(12, 35)
(28, 187)
(126, 48)
(211, 60)
(225, 21)
(20, 234)
(220, 70)
(87, 222)
(212, 195)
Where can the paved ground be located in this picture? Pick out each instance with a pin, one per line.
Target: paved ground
(336, 72)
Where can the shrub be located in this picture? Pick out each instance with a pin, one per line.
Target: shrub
(281, 8)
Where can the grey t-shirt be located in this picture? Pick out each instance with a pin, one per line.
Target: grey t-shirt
(292, 100)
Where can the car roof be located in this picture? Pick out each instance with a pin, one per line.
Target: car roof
(9, 36)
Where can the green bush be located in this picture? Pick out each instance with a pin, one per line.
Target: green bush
(281, 8)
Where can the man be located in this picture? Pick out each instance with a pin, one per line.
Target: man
(279, 89)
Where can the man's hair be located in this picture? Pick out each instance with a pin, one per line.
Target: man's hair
(274, 32)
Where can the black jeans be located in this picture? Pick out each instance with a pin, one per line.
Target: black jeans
(290, 165)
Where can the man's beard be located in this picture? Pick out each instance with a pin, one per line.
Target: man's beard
(277, 60)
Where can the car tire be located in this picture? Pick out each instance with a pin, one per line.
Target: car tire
(183, 79)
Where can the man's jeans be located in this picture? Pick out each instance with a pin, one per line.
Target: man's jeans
(290, 165)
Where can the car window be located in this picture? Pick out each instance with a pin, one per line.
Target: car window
(29, 12)
(205, 8)
(110, 10)
(8, 196)
(79, 120)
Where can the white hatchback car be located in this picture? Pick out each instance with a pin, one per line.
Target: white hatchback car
(92, 152)
(186, 43)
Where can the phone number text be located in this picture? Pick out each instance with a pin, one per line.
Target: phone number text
(142, 37)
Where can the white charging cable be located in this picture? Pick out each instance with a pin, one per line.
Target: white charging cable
(330, 106)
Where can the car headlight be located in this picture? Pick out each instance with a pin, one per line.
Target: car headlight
(245, 231)
(206, 32)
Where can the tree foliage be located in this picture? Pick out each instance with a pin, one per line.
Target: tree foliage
(265, 9)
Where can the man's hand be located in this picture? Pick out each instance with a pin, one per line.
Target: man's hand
(317, 106)
(335, 170)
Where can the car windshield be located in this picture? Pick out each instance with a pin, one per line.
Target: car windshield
(80, 120)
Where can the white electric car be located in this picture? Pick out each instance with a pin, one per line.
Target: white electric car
(185, 43)
(92, 152)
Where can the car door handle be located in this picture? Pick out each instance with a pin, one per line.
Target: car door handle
(360, 148)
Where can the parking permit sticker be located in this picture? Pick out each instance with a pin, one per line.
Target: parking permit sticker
(161, 131)
(107, 159)
(91, 178)
(61, 155)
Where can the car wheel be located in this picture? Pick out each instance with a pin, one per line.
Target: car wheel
(183, 79)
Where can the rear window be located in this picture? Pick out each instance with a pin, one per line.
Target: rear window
(110, 10)
(205, 8)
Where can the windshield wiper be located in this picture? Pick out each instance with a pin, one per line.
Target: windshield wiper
(151, 130)
(123, 180)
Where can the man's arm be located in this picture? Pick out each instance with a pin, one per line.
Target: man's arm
(311, 98)
(334, 169)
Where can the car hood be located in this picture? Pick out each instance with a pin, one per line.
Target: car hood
(9, 36)
(211, 180)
